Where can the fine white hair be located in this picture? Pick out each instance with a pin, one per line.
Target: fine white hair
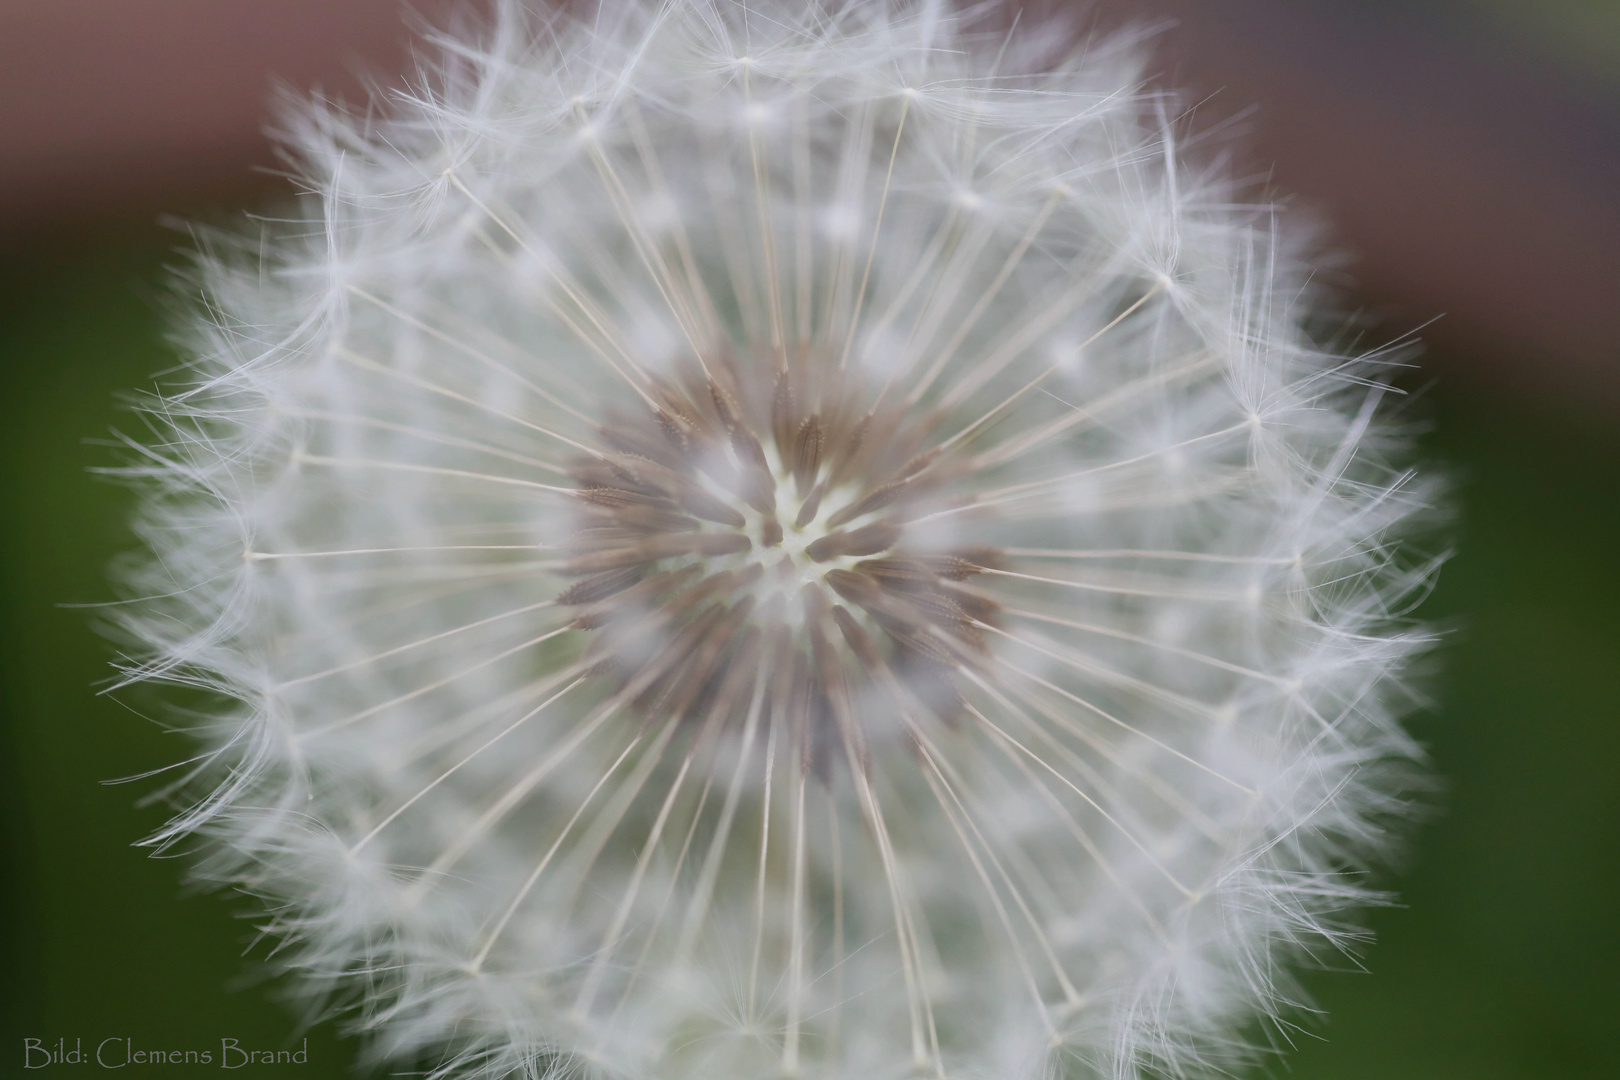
(738, 539)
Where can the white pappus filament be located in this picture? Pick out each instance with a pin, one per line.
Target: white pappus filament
(773, 539)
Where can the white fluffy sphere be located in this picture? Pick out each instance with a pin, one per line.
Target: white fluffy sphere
(764, 539)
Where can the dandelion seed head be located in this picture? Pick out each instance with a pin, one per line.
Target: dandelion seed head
(772, 539)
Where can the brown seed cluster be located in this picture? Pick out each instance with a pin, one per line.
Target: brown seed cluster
(708, 554)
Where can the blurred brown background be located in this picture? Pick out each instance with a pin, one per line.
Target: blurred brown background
(119, 107)
(1465, 152)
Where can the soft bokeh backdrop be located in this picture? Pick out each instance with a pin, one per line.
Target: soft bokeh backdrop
(1467, 150)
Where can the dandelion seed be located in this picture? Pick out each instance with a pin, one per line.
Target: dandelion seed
(753, 540)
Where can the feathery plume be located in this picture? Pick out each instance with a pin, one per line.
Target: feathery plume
(754, 539)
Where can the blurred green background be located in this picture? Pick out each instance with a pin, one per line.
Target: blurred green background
(1502, 963)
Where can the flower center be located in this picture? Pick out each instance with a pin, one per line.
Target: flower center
(737, 531)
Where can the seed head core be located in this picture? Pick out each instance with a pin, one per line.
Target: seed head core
(744, 522)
